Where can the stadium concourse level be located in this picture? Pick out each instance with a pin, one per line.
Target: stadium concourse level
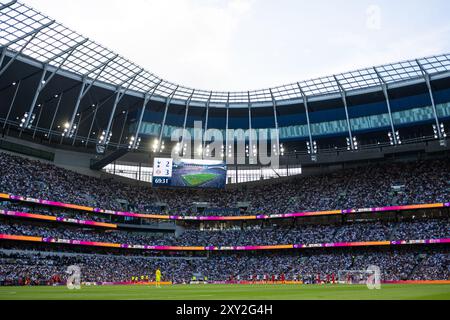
(18, 267)
(420, 182)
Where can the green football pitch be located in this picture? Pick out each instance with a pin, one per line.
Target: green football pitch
(230, 292)
(194, 180)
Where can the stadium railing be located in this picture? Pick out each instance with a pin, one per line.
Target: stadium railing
(222, 248)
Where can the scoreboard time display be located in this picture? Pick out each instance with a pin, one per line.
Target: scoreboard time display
(162, 172)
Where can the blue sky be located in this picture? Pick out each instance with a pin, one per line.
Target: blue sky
(253, 44)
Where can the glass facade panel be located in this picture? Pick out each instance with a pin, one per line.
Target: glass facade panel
(410, 116)
(145, 173)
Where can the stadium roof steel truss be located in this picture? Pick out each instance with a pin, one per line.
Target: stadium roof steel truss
(28, 33)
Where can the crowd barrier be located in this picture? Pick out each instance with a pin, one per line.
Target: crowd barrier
(17, 214)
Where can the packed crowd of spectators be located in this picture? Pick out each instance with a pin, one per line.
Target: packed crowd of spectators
(49, 268)
(368, 186)
(431, 267)
(308, 234)
(429, 229)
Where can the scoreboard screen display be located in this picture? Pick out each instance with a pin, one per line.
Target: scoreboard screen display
(189, 173)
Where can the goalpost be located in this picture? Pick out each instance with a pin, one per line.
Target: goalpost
(353, 276)
(370, 277)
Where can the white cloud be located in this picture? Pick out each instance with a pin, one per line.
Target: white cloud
(241, 6)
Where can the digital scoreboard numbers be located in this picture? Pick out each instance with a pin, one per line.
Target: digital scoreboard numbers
(162, 172)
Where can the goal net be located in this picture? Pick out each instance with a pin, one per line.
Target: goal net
(355, 276)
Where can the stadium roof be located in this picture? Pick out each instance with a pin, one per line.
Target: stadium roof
(27, 32)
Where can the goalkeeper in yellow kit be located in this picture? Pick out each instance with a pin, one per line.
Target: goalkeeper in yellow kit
(158, 278)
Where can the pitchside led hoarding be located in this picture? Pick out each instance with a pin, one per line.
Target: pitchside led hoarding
(188, 173)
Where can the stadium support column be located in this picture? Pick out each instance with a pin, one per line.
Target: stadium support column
(308, 122)
(123, 128)
(206, 124)
(54, 117)
(119, 97)
(140, 172)
(38, 120)
(168, 100)
(344, 100)
(32, 34)
(147, 99)
(2, 56)
(250, 130)
(113, 111)
(75, 135)
(227, 142)
(186, 112)
(92, 124)
(85, 88)
(36, 95)
(388, 103)
(77, 105)
(12, 104)
(275, 117)
(430, 90)
(44, 82)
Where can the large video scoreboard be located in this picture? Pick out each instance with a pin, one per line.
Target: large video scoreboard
(189, 173)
